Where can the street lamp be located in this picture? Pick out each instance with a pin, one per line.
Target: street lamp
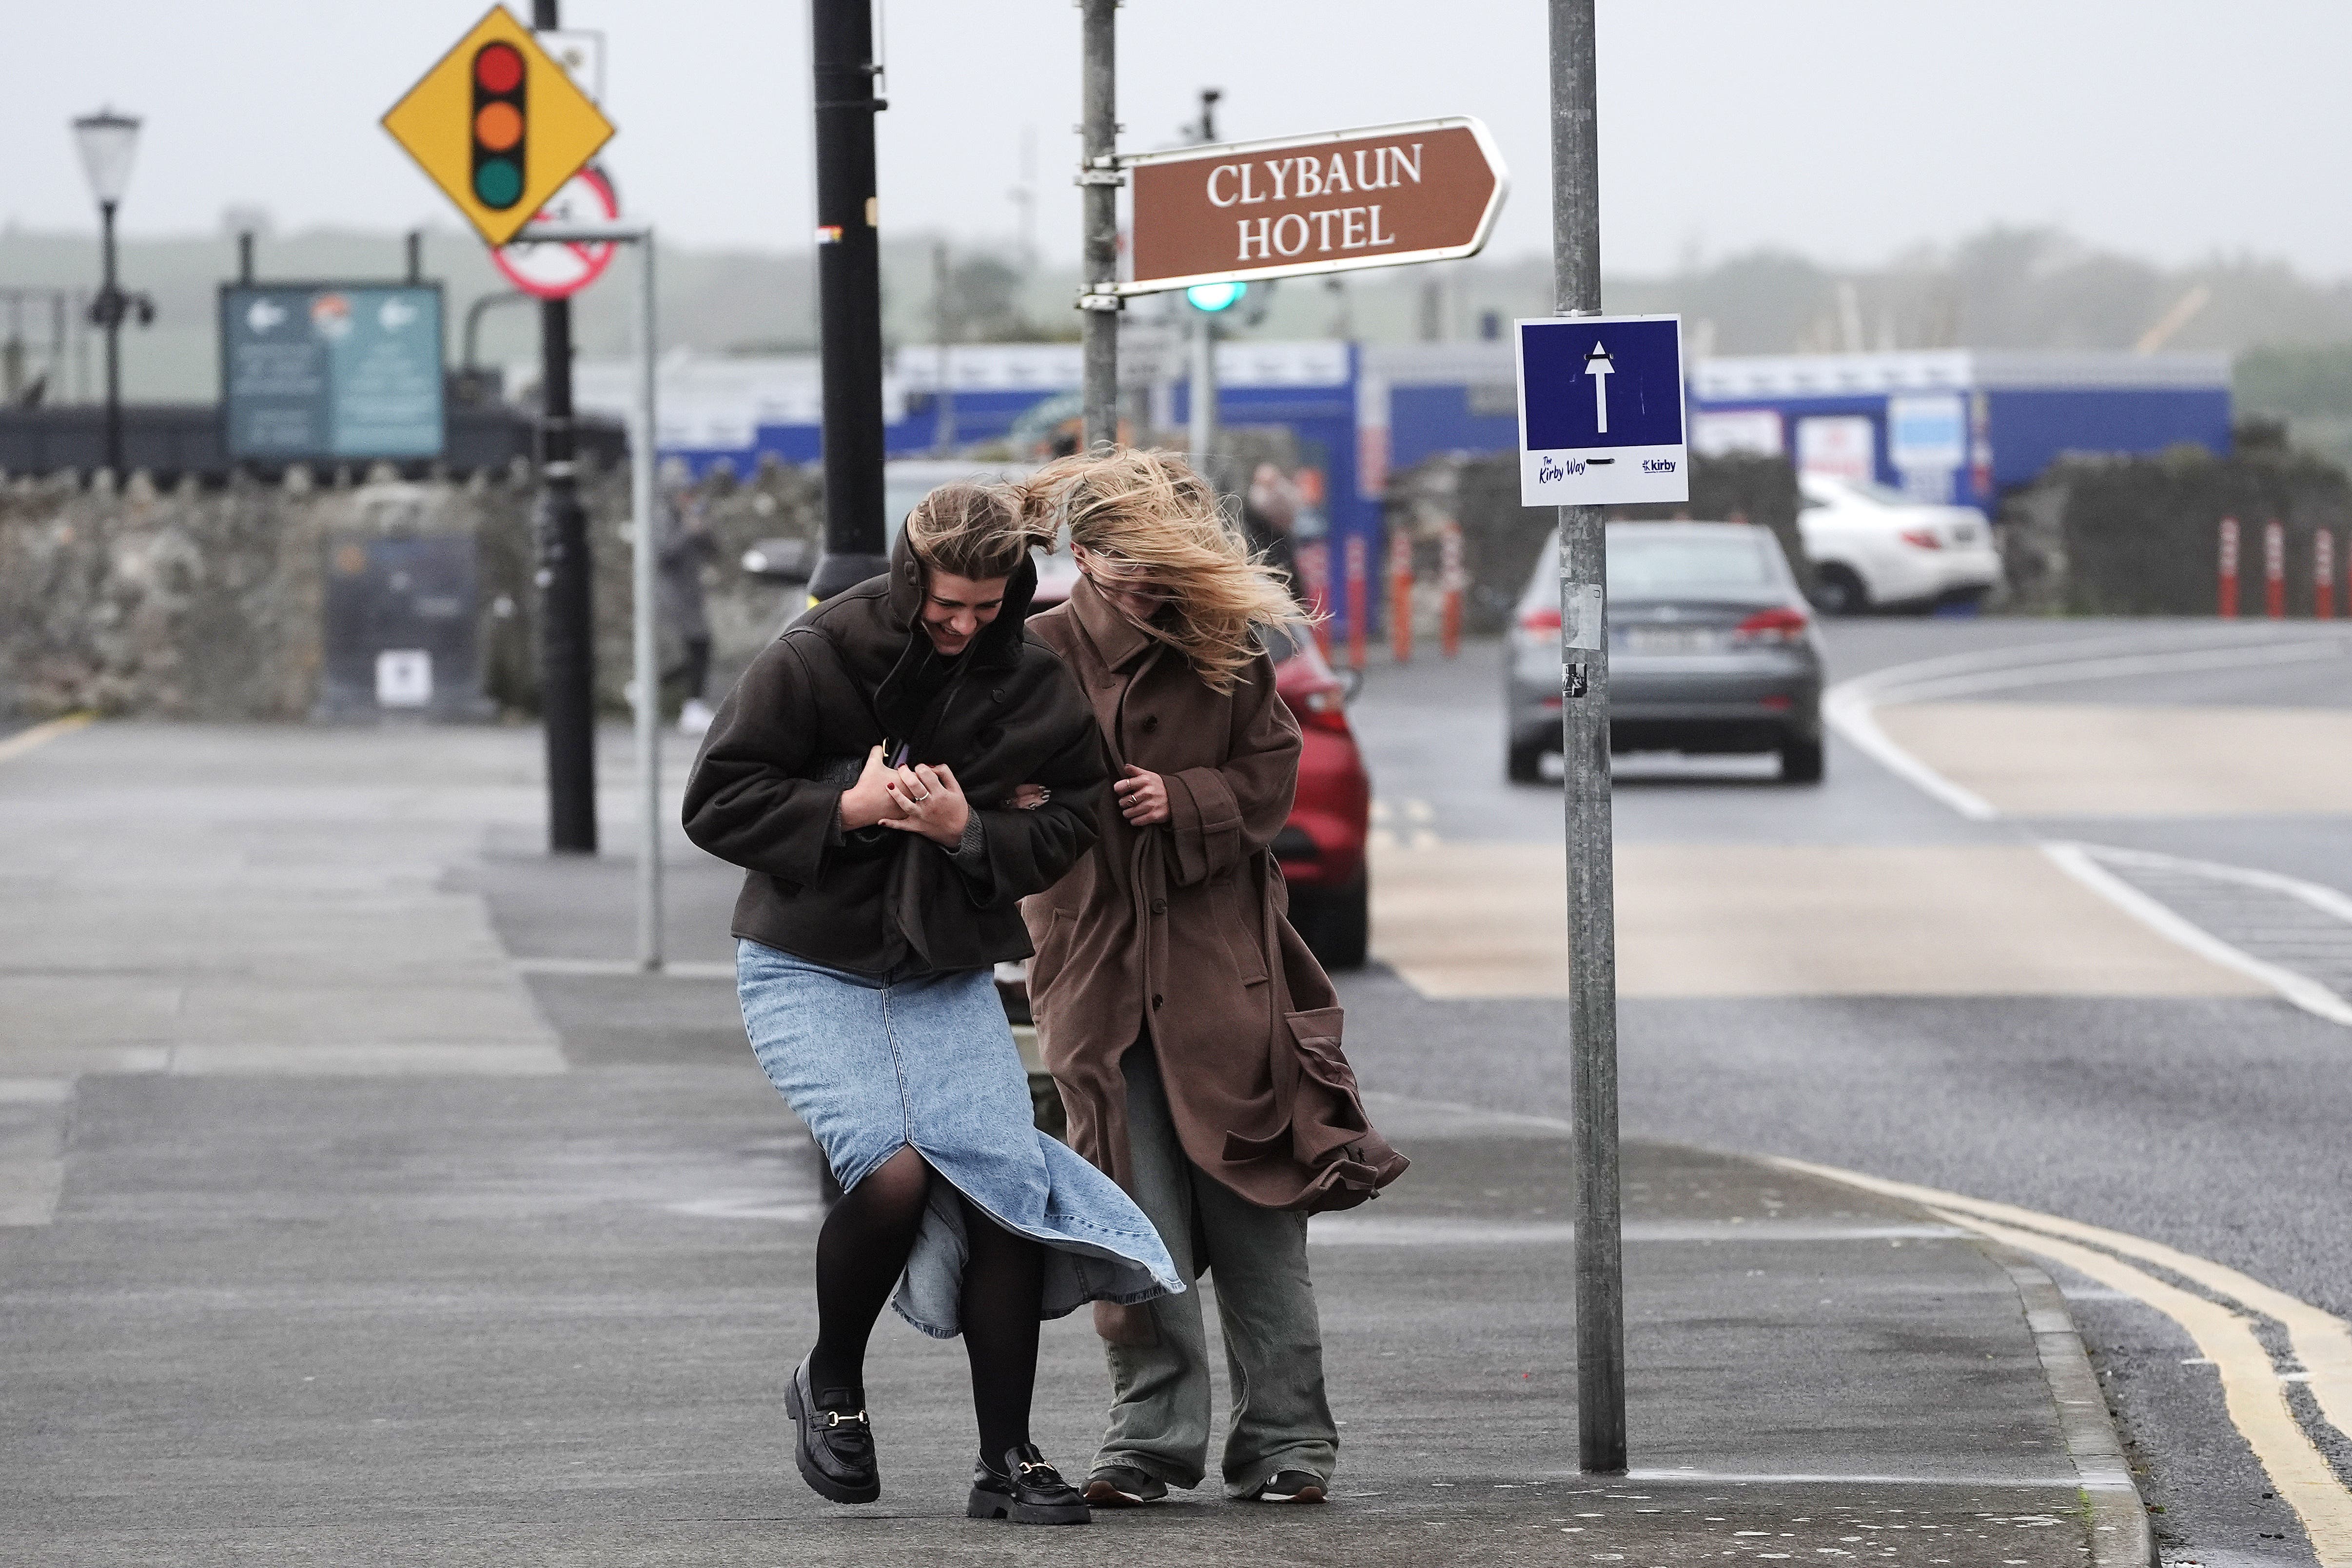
(106, 141)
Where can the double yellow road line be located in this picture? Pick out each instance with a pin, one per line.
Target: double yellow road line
(2221, 1321)
(24, 740)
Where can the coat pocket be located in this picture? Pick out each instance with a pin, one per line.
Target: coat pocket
(1317, 1033)
(1239, 934)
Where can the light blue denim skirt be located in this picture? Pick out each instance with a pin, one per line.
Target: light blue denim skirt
(874, 1066)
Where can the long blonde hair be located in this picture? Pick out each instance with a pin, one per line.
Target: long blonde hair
(1154, 525)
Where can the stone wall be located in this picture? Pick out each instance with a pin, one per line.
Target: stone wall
(208, 602)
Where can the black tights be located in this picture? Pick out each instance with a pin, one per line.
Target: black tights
(860, 1253)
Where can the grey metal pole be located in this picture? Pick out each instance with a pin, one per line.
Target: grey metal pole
(110, 305)
(644, 457)
(943, 430)
(1100, 177)
(1584, 736)
(1203, 394)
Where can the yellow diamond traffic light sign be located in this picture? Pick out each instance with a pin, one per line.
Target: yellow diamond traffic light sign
(498, 125)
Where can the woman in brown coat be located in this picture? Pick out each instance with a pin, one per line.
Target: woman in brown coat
(1194, 1038)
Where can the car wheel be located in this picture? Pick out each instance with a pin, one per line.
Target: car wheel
(1839, 591)
(1801, 761)
(1525, 762)
(1335, 924)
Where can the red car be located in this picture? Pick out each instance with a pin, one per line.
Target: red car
(1321, 847)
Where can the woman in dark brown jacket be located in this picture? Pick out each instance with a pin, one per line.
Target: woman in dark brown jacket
(1194, 1038)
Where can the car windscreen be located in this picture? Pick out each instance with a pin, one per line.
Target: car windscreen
(1689, 566)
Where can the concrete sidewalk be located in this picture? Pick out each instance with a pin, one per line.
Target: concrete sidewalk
(344, 1223)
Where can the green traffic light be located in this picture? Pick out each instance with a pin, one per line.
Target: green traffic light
(1213, 297)
(498, 183)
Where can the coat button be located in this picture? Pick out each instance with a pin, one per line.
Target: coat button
(1155, 1002)
(1159, 906)
(1150, 723)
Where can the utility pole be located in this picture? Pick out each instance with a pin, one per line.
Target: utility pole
(943, 433)
(1201, 440)
(1099, 176)
(567, 618)
(849, 294)
(1584, 721)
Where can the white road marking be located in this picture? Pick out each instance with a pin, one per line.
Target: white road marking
(2320, 1340)
(2326, 900)
(2081, 861)
(1849, 705)
(33, 1112)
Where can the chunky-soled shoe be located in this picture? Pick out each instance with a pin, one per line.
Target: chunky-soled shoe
(834, 1446)
(1124, 1486)
(1027, 1490)
(1292, 1486)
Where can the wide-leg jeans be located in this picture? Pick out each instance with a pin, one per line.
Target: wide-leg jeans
(1280, 1419)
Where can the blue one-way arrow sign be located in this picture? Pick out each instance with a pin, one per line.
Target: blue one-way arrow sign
(1601, 410)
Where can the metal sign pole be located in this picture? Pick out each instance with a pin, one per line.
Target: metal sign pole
(643, 631)
(1100, 177)
(1203, 394)
(1584, 720)
(643, 549)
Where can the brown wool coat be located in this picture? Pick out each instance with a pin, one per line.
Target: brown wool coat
(1177, 932)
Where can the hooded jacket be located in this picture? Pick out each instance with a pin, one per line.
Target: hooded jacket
(853, 672)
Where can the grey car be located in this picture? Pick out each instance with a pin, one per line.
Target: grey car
(1712, 648)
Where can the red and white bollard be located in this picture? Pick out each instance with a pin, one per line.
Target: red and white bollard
(2229, 569)
(2323, 575)
(1400, 596)
(2274, 570)
(1360, 599)
(1451, 582)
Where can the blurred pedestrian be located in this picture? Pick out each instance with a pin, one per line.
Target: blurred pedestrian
(862, 771)
(1269, 515)
(1193, 1036)
(683, 550)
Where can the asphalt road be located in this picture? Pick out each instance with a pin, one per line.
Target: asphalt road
(2212, 1123)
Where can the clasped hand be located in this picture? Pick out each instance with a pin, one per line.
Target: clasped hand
(924, 798)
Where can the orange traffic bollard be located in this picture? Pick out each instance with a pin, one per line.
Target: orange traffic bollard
(2274, 570)
(1450, 582)
(1400, 596)
(1360, 599)
(2323, 575)
(2229, 569)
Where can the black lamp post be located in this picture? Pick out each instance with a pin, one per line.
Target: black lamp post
(106, 141)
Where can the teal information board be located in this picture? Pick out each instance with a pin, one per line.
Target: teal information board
(320, 371)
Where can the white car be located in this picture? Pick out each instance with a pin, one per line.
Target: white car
(1875, 548)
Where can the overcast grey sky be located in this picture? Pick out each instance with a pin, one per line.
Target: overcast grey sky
(1843, 128)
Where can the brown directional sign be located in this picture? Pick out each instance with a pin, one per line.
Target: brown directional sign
(1379, 197)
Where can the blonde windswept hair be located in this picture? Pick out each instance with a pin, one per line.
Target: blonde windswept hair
(974, 529)
(1155, 524)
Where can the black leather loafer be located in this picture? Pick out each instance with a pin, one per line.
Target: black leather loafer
(1027, 1490)
(835, 1445)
